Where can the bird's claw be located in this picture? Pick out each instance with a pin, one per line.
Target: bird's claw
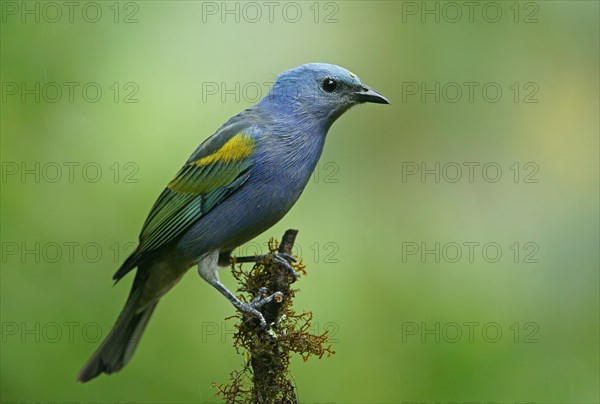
(286, 261)
(258, 302)
(259, 295)
(289, 258)
(283, 261)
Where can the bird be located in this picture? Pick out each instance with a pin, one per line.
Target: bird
(238, 183)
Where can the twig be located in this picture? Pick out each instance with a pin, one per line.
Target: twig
(269, 349)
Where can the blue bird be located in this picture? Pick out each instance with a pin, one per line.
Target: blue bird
(238, 183)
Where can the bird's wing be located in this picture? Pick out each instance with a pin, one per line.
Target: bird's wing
(216, 169)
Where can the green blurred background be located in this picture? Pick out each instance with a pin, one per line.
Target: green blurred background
(394, 315)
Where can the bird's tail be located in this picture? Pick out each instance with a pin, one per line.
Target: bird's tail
(120, 343)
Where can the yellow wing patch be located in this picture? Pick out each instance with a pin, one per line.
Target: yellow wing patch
(195, 178)
(237, 148)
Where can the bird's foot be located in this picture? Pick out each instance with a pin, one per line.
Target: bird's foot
(252, 307)
(287, 261)
(284, 260)
(258, 302)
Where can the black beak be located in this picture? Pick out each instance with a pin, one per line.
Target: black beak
(367, 94)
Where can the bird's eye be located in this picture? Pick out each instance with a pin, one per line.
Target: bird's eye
(329, 85)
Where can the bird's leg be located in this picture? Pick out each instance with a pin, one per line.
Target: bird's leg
(208, 270)
(284, 260)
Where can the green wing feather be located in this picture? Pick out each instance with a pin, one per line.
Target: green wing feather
(192, 194)
(199, 186)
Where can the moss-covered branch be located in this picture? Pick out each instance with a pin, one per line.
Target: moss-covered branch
(265, 376)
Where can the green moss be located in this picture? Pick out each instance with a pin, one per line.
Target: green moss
(265, 375)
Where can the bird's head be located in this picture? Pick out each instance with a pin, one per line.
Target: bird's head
(320, 92)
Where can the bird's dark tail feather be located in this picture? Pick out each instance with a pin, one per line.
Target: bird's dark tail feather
(120, 343)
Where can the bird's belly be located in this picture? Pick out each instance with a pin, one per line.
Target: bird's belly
(251, 210)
